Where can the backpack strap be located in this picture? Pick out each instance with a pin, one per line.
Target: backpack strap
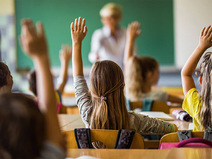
(128, 104)
(124, 139)
(83, 138)
(147, 104)
(185, 134)
(208, 134)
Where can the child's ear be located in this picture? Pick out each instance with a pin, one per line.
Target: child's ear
(200, 80)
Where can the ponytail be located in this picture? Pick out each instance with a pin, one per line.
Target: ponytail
(100, 118)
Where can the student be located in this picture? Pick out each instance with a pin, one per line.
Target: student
(26, 130)
(108, 42)
(142, 73)
(65, 56)
(6, 79)
(104, 107)
(198, 105)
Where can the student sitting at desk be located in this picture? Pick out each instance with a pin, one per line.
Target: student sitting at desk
(28, 131)
(142, 73)
(199, 105)
(104, 107)
(65, 56)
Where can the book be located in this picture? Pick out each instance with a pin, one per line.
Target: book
(158, 115)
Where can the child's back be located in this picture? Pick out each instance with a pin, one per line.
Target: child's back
(199, 105)
(26, 129)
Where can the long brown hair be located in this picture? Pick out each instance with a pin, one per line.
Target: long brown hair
(107, 90)
(22, 126)
(206, 94)
(135, 75)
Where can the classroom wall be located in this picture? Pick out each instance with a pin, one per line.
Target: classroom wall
(190, 16)
(6, 7)
(8, 43)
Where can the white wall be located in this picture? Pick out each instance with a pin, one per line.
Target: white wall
(6, 7)
(190, 16)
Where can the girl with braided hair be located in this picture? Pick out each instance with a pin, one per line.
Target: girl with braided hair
(104, 106)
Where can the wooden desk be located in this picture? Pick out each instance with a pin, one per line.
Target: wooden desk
(181, 125)
(70, 122)
(180, 153)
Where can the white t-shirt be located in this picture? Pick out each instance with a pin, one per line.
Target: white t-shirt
(107, 47)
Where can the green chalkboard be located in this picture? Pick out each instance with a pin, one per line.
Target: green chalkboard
(156, 17)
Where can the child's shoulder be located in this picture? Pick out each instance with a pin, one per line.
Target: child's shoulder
(157, 94)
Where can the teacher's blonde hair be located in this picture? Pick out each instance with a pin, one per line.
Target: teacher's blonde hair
(111, 9)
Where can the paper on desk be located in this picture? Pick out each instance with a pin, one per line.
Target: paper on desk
(191, 126)
(158, 115)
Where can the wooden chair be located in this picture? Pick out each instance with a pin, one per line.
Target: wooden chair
(157, 106)
(172, 137)
(108, 137)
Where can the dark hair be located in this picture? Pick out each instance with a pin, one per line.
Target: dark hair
(3, 74)
(22, 126)
(32, 82)
(135, 74)
(205, 73)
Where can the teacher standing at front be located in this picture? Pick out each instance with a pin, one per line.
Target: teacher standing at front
(108, 43)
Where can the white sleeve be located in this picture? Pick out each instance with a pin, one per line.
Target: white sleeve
(95, 45)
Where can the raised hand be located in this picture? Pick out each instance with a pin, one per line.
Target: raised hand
(33, 41)
(206, 37)
(133, 30)
(78, 31)
(65, 54)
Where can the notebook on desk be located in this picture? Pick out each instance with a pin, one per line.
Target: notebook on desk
(158, 115)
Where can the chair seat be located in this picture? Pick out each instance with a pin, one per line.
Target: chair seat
(108, 137)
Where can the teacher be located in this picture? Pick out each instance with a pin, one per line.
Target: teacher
(108, 43)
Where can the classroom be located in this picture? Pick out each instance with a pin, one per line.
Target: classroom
(83, 78)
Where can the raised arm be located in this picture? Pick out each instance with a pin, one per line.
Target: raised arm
(186, 74)
(133, 31)
(34, 45)
(65, 56)
(78, 33)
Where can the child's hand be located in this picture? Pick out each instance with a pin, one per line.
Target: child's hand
(206, 37)
(78, 32)
(133, 30)
(33, 41)
(65, 54)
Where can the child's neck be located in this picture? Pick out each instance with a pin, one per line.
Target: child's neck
(146, 88)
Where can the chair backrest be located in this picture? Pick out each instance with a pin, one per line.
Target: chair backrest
(173, 137)
(157, 106)
(108, 137)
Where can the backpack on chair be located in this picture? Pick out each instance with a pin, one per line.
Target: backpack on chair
(83, 138)
(186, 140)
